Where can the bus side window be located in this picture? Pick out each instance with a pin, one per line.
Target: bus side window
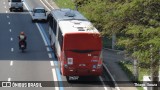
(50, 18)
(54, 26)
(60, 38)
(52, 23)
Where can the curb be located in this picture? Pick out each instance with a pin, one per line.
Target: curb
(116, 86)
(112, 50)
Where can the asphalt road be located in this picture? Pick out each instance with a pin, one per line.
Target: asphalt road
(37, 63)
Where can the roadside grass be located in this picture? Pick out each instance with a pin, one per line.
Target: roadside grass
(65, 3)
(127, 66)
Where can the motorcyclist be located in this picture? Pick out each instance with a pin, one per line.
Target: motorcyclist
(22, 38)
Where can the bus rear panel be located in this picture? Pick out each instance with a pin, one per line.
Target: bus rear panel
(82, 55)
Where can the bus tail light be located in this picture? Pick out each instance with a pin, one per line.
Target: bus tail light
(99, 65)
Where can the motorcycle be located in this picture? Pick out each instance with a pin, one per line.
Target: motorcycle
(22, 45)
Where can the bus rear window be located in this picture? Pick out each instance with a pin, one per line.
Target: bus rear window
(83, 41)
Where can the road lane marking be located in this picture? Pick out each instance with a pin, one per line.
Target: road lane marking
(11, 63)
(12, 49)
(55, 78)
(116, 86)
(9, 79)
(50, 56)
(48, 4)
(10, 30)
(52, 63)
(9, 23)
(11, 39)
(105, 88)
(56, 71)
(42, 34)
(45, 5)
(48, 49)
(7, 16)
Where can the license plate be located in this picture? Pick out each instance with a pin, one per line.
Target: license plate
(22, 45)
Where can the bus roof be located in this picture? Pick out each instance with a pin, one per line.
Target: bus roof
(66, 14)
(77, 26)
(71, 21)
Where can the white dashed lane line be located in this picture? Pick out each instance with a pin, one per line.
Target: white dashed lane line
(10, 30)
(9, 79)
(52, 63)
(12, 49)
(11, 63)
(7, 16)
(48, 49)
(9, 23)
(11, 39)
(50, 56)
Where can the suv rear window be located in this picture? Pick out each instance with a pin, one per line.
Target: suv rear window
(39, 11)
(16, 0)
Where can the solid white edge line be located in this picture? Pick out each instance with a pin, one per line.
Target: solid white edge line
(49, 4)
(45, 42)
(11, 63)
(55, 77)
(50, 56)
(53, 70)
(116, 86)
(52, 63)
(105, 88)
(45, 5)
(9, 79)
(42, 34)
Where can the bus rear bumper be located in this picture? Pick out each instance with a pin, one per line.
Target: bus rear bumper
(93, 72)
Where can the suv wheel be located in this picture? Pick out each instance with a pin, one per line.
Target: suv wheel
(33, 20)
(21, 9)
(10, 9)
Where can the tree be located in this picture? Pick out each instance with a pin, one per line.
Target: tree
(136, 22)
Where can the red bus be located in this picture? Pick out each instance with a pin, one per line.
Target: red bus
(77, 44)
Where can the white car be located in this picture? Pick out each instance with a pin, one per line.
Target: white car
(39, 13)
(15, 5)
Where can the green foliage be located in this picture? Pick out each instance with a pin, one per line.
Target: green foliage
(65, 3)
(137, 23)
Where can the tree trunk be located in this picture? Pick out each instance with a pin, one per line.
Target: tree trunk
(155, 73)
(135, 72)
